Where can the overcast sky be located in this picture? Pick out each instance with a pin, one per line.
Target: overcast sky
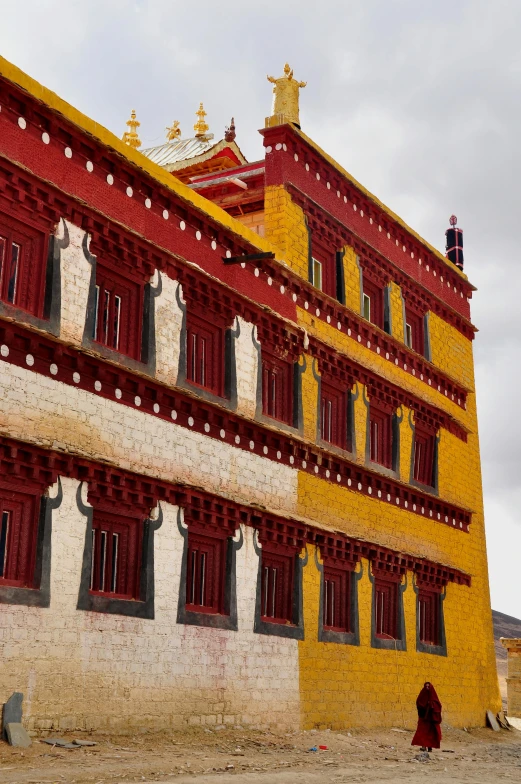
(418, 99)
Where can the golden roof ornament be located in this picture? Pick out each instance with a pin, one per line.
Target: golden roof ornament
(131, 137)
(285, 108)
(174, 132)
(201, 127)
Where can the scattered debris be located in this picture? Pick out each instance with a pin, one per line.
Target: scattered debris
(448, 751)
(395, 729)
(313, 748)
(423, 756)
(492, 721)
(17, 735)
(65, 744)
(12, 711)
(89, 743)
(324, 748)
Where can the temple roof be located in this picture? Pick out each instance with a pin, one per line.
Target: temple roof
(181, 154)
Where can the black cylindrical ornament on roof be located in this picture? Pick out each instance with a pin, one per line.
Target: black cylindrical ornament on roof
(454, 244)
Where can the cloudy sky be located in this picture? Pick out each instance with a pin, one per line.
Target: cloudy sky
(418, 100)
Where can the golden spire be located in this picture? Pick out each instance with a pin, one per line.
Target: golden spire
(201, 127)
(174, 132)
(131, 137)
(285, 107)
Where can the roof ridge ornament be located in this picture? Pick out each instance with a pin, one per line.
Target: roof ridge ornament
(229, 133)
(131, 136)
(173, 132)
(201, 127)
(285, 107)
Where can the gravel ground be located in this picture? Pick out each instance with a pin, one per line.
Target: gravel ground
(240, 756)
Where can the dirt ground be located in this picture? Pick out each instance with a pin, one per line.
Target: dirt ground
(235, 756)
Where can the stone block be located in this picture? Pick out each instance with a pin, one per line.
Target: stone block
(17, 735)
(12, 711)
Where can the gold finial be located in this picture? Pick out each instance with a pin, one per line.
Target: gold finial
(285, 107)
(174, 132)
(131, 137)
(201, 127)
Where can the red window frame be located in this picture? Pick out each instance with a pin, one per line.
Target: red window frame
(23, 262)
(380, 436)
(327, 259)
(336, 599)
(429, 621)
(423, 456)
(19, 521)
(333, 415)
(205, 573)
(277, 578)
(376, 295)
(204, 353)
(277, 388)
(118, 311)
(386, 597)
(417, 333)
(117, 543)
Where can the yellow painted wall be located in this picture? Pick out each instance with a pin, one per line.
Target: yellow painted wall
(343, 685)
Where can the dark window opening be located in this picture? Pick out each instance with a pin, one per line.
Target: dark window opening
(117, 312)
(204, 354)
(429, 617)
(334, 416)
(277, 388)
(22, 265)
(336, 600)
(414, 331)
(324, 269)
(19, 518)
(423, 467)
(380, 437)
(373, 303)
(205, 574)
(116, 555)
(277, 587)
(385, 609)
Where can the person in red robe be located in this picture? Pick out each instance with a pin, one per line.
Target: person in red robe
(428, 732)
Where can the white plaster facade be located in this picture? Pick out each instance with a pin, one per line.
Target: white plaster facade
(88, 670)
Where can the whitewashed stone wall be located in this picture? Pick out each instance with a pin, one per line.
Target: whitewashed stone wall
(86, 670)
(168, 321)
(75, 281)
(247, 364)
(55, 415)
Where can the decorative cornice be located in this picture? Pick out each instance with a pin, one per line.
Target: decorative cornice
(42, 467)
(22, 347)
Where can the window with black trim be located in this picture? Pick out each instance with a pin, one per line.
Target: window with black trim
(204, 353)
(117, 542)
(385, 609)
(423, 456)
(19, 518)
(429, 622)
(373, 302)
(334, 416)
(414, 331)
(277, 587)
(118, 312)
(277, 387)
(205, 573)
(336, 600)
(22, 265)
(324, 269)
(380, 436)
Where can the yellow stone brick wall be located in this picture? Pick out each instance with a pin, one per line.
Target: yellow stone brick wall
(352, 279)
(285, 228)
(397, 325)
(344, 685)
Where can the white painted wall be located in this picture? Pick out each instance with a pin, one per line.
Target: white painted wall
(87, 670)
